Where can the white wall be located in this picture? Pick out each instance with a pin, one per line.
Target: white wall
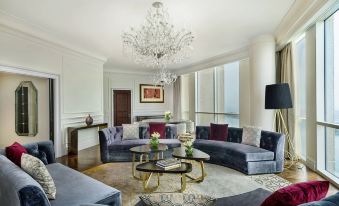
(80, 77)
(121, 81)
(8, 85)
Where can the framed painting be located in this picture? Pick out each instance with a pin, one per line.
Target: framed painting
(151, 94)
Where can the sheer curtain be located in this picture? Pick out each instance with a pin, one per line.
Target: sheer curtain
(286, 74)
(177, 98)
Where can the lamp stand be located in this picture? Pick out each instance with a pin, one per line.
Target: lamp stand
(279, 122)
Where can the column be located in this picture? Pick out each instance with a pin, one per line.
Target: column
(262, 73)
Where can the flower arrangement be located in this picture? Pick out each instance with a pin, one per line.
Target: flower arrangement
(168, 115)
(154, 142)
(189, 147)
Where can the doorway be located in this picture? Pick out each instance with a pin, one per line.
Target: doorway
(122, 107)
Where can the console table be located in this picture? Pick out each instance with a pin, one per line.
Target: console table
(73, 136)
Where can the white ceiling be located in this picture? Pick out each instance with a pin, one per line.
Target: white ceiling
(220, 26)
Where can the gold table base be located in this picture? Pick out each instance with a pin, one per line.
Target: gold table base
(146, 177)
(156, 157)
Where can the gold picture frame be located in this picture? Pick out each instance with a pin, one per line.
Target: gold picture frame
(151, 94)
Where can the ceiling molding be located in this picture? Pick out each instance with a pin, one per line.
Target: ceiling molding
(302, 15)
(19, 28)
(127, 71)
(218, 60)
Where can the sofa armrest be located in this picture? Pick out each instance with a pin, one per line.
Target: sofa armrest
(107, 137)
(19, 188)
(274, 142)
(202, 132)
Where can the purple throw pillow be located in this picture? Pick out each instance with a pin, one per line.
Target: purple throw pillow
(219, 132)
(158, 127)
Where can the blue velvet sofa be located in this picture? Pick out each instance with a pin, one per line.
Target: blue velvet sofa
(268, 158)
(332, 200)
(73, 188)
(114, 149)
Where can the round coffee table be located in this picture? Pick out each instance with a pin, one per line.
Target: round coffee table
(150, 168)
(145, 151)
(198, 156)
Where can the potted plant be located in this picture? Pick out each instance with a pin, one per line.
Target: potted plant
(154, 142)
(168, 116)
(189, 147)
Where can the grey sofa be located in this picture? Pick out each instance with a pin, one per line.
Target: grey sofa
(268, 158)
(73, 188)
(113, 148)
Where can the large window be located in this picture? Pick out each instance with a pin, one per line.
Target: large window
(300, 62)
(217, 95)
(331, 94)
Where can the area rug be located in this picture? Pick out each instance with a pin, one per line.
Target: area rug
(220, 181)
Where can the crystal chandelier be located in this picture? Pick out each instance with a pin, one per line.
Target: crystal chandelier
(163, 77)
(157, 43)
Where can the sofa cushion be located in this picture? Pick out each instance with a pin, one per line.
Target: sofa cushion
(332, 200)
(75, 188)
(130, 131)
(34, 151)
(252, 198)
(251, 136)
(18, 187)
(298, 193)
(128, 144)
(219, 132)
(37, 169)
(14, 153)
(158, 127)
(240, 151)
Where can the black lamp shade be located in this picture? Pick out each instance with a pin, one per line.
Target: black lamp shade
(278, 96)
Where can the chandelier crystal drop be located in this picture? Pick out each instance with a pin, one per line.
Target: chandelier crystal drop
(164, 78)
(157, 43)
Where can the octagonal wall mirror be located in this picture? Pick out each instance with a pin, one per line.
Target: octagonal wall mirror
(26, 109)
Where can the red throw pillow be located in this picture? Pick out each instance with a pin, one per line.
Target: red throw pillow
(219, 132)
(297, 194)
(158, 127)
(14, 153)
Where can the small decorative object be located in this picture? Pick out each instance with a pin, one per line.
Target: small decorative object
(189, 147)
(154, 142)
(168, 116)
(151, 94)
(89, 120)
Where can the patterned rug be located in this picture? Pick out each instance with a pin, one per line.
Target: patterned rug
(220, 181)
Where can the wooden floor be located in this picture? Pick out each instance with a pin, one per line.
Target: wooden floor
(90, 157)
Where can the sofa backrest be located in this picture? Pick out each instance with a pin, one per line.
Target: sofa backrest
(37, 148)
(271, 141)
(17, 187)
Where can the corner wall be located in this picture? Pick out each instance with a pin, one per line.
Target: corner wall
(80, 78)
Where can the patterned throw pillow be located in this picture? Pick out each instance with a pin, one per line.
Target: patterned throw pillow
(251, 136)
(130, 131)
(36, 168)
(170, 199)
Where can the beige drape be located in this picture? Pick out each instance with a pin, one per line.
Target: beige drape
(177, 98)
(286, 74)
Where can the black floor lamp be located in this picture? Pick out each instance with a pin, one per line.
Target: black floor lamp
(278, 97)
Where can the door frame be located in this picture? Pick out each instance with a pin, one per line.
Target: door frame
(111, 119)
